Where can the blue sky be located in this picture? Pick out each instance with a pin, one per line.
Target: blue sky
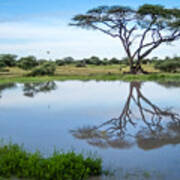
(35, 26)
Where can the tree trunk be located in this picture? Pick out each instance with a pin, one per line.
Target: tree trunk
(137, 68)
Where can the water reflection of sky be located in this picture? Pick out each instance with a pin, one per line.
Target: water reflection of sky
(45, 120)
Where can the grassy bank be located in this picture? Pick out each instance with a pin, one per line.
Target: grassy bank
(150, 77)
(91, 72)
(16, 162)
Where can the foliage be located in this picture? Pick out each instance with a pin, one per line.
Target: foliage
(68, 60)
(27, 63)
(7, 60)
(15, 161)
(42, 61)
(93, 60)
(60, 62)
(168, 65)
(45, 69)
(2, 64)
(114, 61)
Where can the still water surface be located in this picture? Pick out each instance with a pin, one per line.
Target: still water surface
(134, 127)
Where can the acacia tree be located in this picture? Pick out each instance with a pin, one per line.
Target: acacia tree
(140, 31)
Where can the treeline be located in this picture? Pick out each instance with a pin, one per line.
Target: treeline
(29, 62)
(44, 66)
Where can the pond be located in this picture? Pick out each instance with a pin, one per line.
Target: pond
(134, 127)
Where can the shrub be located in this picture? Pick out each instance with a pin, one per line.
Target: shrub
(15, 161)
(81, 64)
(8, 60)
(168, 65)
(60, 62)
(45, 69)
(27, 63)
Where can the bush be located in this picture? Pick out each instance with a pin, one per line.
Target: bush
(80, 65)
(168, 65)
(15, 161)
(8, 60)
(27, 63)
(60, 62)
(45, 69)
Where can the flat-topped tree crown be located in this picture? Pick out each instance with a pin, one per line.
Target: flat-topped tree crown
(140, 31)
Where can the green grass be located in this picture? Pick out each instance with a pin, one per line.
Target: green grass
(91, 72)
(16, 162)
(128, 77)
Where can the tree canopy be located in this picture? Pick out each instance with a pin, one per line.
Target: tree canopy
(140, 30)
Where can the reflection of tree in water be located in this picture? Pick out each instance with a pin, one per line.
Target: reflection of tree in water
(170, 84)
(151, 140)
(31, 89)
(6, 86)
(144, 123)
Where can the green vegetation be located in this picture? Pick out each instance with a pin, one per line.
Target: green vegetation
(16, 162)
(47, 68)
(27, 63)
(7, 60)
(167, 69)
(169, 65)
(151, 77)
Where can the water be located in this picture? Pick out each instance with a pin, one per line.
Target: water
(134, 127)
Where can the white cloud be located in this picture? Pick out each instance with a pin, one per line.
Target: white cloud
(32, 38)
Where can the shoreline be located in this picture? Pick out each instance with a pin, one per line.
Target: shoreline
(165, 77)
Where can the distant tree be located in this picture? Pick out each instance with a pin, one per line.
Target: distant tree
(68, 60)
(114, 61)
(8, 59)
(140, 31)
(94, 60)
(27, 63)
(105, 61)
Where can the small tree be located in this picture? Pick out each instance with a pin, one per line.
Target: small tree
(147, 28)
